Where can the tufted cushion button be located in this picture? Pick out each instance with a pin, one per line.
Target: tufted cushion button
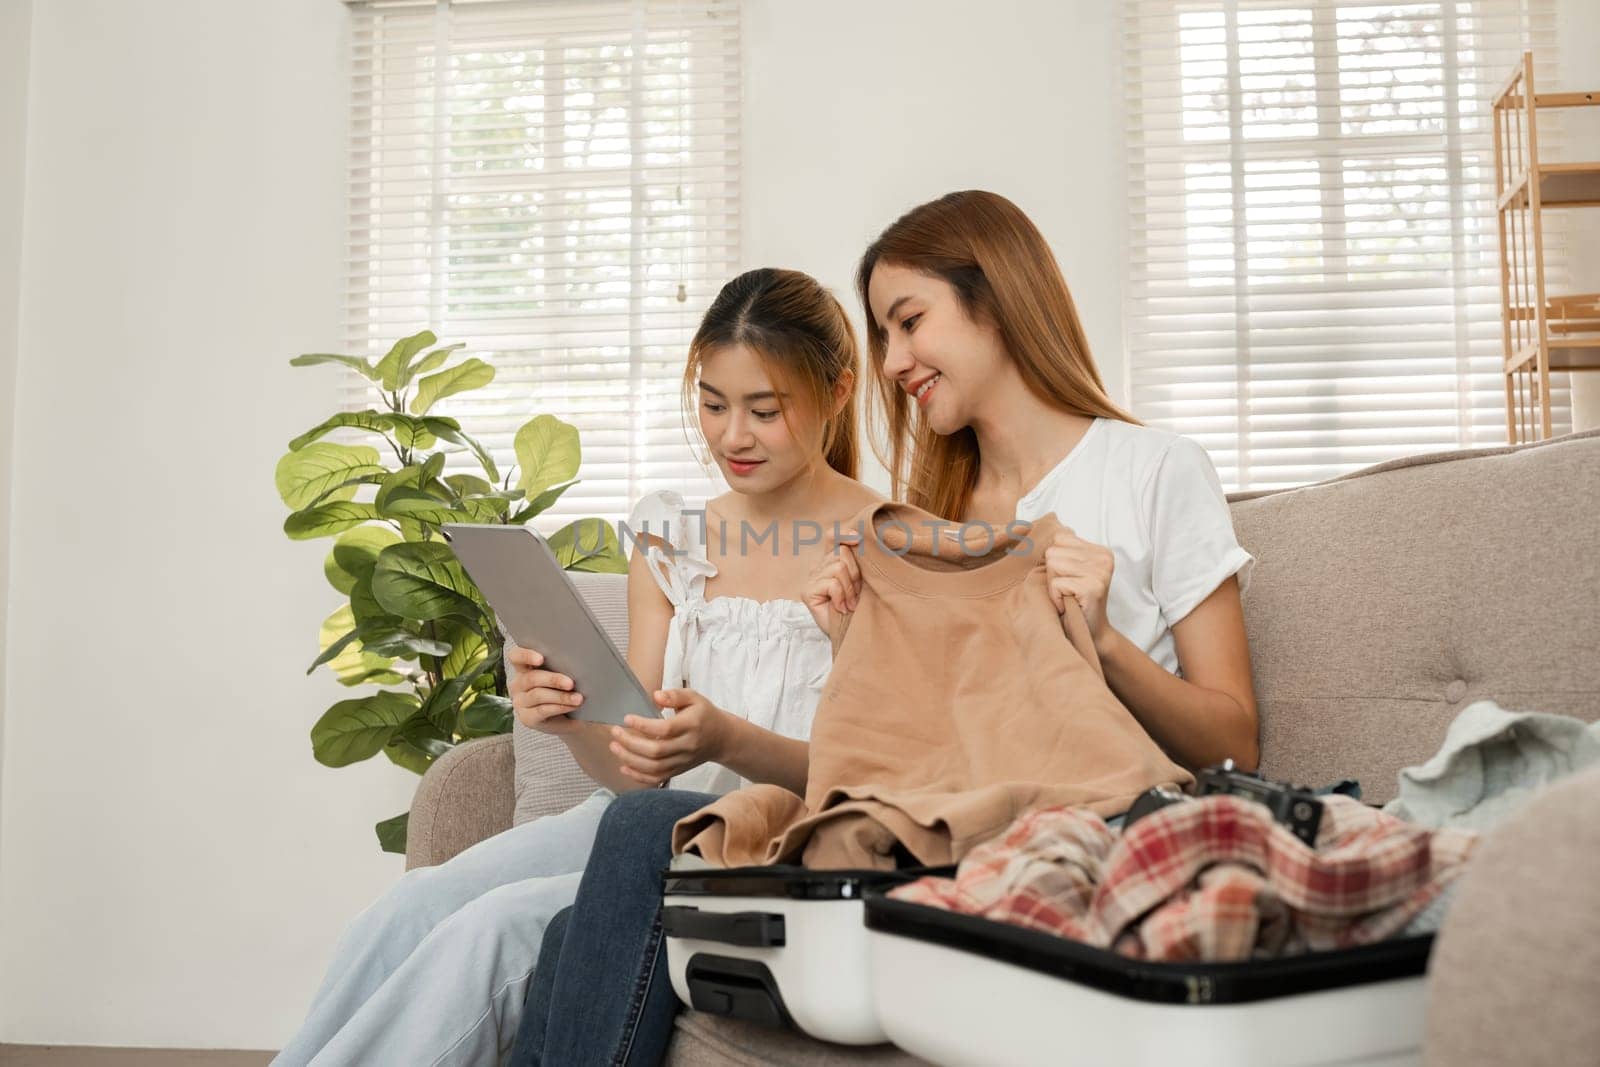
(1455, 691)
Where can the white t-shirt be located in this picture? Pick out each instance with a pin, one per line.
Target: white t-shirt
(1154, 499)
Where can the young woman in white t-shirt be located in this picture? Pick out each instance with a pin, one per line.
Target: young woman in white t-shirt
(995, 411)
(967, 307)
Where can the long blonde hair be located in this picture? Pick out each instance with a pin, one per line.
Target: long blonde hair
(790, 320)
(1005, 275)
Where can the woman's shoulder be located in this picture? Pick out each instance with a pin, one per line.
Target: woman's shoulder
(664, 515)
(1138, 438)
(1141, 451)
(855, 497)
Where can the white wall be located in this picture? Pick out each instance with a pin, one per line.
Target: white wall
(14, 28)
(856, 112)
(175, 866)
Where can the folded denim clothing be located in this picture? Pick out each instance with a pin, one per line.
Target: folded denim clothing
(1213, 879)
(1491, 762)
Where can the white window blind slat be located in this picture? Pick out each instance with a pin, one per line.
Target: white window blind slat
(556, 184)
(1312, 246)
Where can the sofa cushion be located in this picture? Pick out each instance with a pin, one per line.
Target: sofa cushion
(1385, 601)
(547, 780)
(1515, 975)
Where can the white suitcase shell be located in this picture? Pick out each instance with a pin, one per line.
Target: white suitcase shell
(959, 990)
(784, 946)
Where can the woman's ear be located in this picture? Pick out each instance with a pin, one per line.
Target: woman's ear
(843, 389)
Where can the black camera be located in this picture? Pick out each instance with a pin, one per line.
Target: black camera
(1296, 808)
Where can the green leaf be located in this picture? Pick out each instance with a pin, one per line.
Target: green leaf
(404, 503)
(548, 453)
(405, 477)
(376, 677)
(354, 730)
(354, 555)
(589, 545)
(392, 833)
(336, 492)
(325, 519)
(324, 469)
(364, 606)
(424, 581)
(403, 644)
(414, 476)
(467, 648)
(488, 714)
(410, 431)
(353, 664)
(485, 511)
(432, 361)
(432, 739)
(356, 363)
(468, 374)
(338, 645)
(440, 707)
(470, 485)
(450, 430)
(403, 753)
(541, 503)
(391, 368)
(375, 421)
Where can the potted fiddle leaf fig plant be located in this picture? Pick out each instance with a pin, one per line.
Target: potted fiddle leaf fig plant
(413, 632)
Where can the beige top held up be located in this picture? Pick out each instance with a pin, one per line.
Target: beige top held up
(957, 701)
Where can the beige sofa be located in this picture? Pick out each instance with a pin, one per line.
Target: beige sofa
(1382, 603)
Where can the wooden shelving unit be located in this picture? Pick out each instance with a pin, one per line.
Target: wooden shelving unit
(1542, 333)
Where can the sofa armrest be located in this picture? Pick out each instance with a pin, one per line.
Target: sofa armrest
(1515, 973)
(465, 797)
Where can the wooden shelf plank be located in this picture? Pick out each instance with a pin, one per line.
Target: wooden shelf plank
(1569, 184)
(1575, 353)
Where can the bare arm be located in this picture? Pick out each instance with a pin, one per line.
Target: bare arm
(760, 755)
(1209, 714)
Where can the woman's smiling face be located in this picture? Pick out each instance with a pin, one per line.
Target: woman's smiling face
(742, 415)
(933, 350)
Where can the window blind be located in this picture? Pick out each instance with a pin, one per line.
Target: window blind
(1313, 261)
(556, 184)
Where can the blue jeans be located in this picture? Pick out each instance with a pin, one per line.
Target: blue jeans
(601, 994)
(436, 970)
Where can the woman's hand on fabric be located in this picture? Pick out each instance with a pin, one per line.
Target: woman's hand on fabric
(651, 751)
(541, 699)
(835, 583)
(1078, 570)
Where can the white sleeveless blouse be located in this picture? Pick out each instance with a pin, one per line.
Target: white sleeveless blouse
(765, 661)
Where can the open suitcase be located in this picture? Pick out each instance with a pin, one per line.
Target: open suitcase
(782, 945)
(956, 989)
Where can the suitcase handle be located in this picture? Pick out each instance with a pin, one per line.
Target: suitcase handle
(743, 989)
(748, 929)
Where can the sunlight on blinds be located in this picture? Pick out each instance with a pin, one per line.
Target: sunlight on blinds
(556, 185)
(1314, 275)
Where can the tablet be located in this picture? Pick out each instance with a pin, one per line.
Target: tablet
(541, 609)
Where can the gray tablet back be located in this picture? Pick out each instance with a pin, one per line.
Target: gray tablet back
(541, 609)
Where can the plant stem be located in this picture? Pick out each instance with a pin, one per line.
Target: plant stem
(436, 673)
